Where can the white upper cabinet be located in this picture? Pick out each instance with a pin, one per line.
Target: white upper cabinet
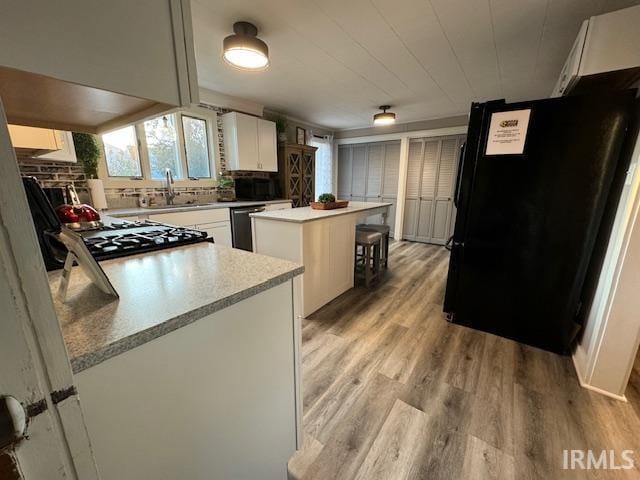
(43, 143)
(267, 145)
(249, 143)
(90, 65)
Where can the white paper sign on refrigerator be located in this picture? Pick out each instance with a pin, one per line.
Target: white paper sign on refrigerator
(508, 132)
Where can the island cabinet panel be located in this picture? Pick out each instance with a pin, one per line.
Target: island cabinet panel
(215, 399)
(322, 240)
(328, 257)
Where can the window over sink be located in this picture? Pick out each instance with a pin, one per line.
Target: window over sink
(138, 155)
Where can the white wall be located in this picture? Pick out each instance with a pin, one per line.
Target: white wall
(607, 349)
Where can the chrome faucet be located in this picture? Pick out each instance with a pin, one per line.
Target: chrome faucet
(169, 193)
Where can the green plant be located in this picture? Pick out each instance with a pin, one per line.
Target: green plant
(225, 181)
(281, 124)
(327, 198)
(87, 151)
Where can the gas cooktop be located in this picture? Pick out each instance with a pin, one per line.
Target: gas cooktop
(119, 239)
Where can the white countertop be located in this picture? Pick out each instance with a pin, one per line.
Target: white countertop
(307, 214)
(127, 212)
(159, 292)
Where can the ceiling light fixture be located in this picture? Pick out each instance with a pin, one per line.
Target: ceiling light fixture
(244, 49)
(384, 118)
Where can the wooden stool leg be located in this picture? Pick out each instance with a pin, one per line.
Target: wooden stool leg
(386, 252)
(376, 259)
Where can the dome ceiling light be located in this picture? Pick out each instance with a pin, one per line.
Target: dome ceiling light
(244, 49)
(384, 118)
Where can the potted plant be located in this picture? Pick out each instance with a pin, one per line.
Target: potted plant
(88, 152)
(327, 201)
(226, 188)
(281, 128)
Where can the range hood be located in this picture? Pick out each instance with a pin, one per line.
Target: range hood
(604, 56)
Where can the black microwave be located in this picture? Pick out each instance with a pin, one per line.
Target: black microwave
(256, 189)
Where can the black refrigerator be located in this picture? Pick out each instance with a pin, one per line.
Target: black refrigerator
(534, 181)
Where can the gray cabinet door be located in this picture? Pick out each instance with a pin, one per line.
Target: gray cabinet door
(443, 203)
(428, 181)
(391, 169)
(358, 172)
(344, 172)
(431, 179)
(414, 171)
(375, 168)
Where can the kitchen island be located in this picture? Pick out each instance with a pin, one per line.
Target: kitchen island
(321, 240)
(193, 371)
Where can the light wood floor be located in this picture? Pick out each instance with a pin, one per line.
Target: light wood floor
(392, 391)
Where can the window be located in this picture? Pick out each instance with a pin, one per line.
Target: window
(196, 146)
(176, 141)
(121, 153)
(162, 146)
(324, 163)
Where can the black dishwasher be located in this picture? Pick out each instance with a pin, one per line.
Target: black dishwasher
(241, 226)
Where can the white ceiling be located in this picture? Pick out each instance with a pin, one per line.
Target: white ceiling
(333, 62)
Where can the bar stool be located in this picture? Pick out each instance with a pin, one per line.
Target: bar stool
(384, 230)
(367, 258)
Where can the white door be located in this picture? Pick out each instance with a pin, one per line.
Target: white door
(34, 368)
(267, 146)
(247, 137)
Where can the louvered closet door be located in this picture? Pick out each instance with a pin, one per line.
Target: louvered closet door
(390, 180)
(427, 190)
(359, 172)
(443, 203)
(375, 169)
(411, 206)
(344, 172)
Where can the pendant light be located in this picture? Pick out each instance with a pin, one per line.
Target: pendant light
(244, 49)
(384, 118)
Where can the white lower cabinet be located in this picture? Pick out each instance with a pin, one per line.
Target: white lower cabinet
(215, 399)
(220, 232)
(215, 222)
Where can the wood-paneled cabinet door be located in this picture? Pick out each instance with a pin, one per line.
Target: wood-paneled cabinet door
(412, 197)
(359, 173)
(344, 172)
(294, 177)
(308, 178)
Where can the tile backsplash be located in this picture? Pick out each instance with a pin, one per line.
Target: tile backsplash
(56, 174)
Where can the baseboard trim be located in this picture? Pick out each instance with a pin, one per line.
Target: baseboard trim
(583, 384)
